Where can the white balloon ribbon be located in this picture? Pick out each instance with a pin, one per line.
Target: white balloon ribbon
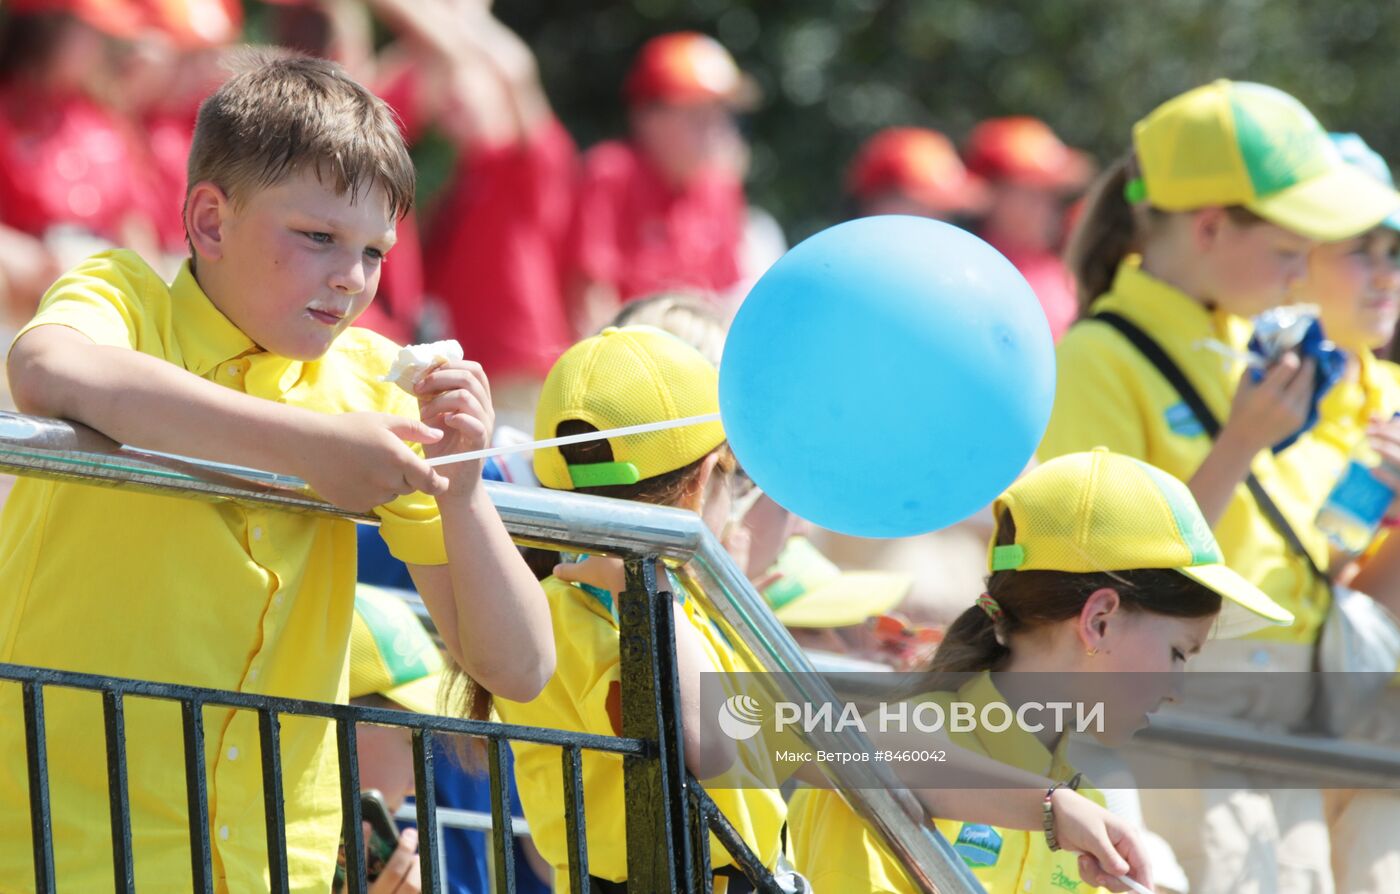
(573, 439)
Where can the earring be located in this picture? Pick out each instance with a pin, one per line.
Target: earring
(1091, 652)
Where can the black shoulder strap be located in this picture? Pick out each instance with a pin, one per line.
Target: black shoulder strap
(1192, 398)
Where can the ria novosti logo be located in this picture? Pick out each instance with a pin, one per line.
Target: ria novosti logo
(740, 717)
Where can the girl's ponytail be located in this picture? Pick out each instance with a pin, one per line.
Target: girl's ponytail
(970, 645)
(1105, 234)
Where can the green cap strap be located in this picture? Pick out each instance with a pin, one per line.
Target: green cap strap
(1008, 558)
(1135, 191)
(604, 474)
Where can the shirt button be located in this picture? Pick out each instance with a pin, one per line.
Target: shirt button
(233, 752)
(257, 533)
(277, 600)
(223, 832)
(252, 675)
(231, 370)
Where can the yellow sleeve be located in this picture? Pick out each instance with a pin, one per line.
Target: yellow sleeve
(587, 673)
(1095, 404)
(410, 525)
(104, 298)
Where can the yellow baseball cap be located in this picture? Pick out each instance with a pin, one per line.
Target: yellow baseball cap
(811, 591)
(628, 376)
(1239, 143)
(1099, 511)
(391, 653)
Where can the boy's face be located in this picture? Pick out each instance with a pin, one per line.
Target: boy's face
(685, 141)
(297, 263)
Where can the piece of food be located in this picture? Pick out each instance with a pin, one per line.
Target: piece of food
(415, 360)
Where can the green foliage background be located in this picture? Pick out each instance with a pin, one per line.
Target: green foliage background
(833, 71)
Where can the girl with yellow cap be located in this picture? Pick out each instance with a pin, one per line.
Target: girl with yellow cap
(1100, 563)
(1206, 223)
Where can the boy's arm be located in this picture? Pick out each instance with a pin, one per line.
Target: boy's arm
(491, 611)
(354, 460)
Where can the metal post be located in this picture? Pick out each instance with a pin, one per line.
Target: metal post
(425, 799)
(574, 827)
(658, 847)
(353, 832)
(197, 796)
(119, 800)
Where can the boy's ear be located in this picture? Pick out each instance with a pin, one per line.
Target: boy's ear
(205, 213)
(1101, 607)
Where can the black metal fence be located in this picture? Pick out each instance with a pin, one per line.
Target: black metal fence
(669, 815)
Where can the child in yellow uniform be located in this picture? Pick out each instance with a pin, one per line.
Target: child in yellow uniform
(624, 377)
(297, 178)
(1356, 285)
(1206, 223)
(1100, 563)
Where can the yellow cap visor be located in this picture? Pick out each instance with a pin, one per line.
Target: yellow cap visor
(1245, 608)
(852, 598)
(1340, 204)
(418, 695)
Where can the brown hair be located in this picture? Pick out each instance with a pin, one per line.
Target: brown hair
(282, 113)
(461, 694)
(1105, 233)
(1030, 599)
(1111, 228)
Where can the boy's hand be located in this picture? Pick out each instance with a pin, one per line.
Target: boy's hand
(603, 572)
(360, 460)
(455, 397)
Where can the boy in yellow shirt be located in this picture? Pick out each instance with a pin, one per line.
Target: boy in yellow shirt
(1100, 564)
(297, 178)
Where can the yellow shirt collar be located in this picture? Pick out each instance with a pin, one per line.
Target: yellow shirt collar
(1013, 746)
(1167, 312)
(207, 339)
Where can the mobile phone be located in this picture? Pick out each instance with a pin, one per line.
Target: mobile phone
(384, 833)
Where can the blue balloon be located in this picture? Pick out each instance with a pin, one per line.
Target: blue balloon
(887, 377)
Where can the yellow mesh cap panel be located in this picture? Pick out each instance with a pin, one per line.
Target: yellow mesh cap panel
(1089, 512)
(1189, 153)
(630, 376)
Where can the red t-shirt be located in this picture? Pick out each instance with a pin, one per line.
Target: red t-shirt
(64, 160)
(1051, 281)
(493, 251)
(634, 231)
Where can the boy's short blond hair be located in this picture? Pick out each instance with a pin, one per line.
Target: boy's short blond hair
(282, 113)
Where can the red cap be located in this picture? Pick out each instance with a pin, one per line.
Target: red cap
(686, 67)
(919, 163)
(1025, 150)
(118, 18)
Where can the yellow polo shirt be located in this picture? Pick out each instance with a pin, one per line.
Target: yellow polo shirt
(1108, 394)
(126, 584)
(837, 851)
(579, 698)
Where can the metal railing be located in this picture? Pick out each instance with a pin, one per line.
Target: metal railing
(668, 816)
